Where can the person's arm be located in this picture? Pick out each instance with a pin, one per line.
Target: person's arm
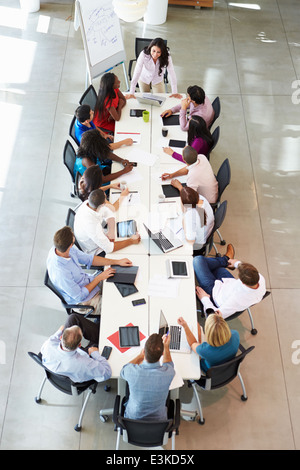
(117, 174)
(139, 358)
(183, 171)
(193, 343)
(166, 354)
(173, 79)
(184, 124)
(133, 240)
(117, 145)
(100, 277)
(100, 261)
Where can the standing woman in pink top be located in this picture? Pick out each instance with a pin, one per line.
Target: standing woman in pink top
(150, 68)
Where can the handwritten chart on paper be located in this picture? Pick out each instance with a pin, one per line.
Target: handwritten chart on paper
(102, 30)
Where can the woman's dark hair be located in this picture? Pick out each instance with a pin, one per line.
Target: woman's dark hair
(93, 146)
(196, 94)
(90, 180)
(190, 197)
(198, 128)
(106, 92)
(164, 58)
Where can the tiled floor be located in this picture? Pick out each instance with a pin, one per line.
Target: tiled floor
(249, 55)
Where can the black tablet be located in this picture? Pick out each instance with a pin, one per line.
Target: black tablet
(126, 289)
(172, 120)
(177, 143)
(129, 336)
(136, 112)
(170, 191)
(127, 228)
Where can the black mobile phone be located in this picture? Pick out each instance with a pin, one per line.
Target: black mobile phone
(138, 302)
(134, 163)
(106, 351)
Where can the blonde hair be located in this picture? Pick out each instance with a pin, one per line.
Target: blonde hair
(217, 331)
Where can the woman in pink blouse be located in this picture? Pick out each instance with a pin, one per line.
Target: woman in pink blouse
(199, 137)
(150, 68)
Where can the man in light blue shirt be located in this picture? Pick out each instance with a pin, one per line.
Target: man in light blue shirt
(62, 352)
(64, 265)
(149, 381)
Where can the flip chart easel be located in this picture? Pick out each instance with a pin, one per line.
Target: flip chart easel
(102, 37)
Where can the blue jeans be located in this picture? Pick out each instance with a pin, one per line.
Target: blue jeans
(208, 270)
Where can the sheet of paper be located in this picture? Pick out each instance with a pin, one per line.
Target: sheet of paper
(131, 177)
(177, 381)
(161, 286)
(135, 136)
(140, 156)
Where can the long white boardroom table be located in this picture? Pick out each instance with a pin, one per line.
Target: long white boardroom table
(145, 185)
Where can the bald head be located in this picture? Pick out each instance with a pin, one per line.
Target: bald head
(189, 155)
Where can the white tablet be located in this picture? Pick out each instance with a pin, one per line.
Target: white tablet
(177, 269)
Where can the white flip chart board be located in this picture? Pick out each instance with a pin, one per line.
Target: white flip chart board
(101, 35)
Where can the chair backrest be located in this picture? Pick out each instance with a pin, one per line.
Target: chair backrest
(69, 156)
(223, 177)
(70, 223)
(216, 104)
(62, 382)
(48, 283)
(145, 433)
(215, 137)
(89, 97)
(220, 216)
(141, 43)
(219, 376)
(72, 131)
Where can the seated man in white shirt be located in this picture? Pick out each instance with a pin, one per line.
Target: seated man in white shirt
(88, 226)
(219, 290)
(62, 352)
(200, 175)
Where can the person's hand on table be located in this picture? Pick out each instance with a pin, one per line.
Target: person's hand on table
(129, 96)
(109, 272)
(92, 349)
(124, 193)
(176, 95)
(176, 184)
(115, 186)
(166, 176)
(136, 238)
(127, 141)
(168, 150)
(166, 113)
(124, 262)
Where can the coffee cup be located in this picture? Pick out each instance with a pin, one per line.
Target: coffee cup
(123, 185)
(146, 116)
(164, 132)
(161, 197)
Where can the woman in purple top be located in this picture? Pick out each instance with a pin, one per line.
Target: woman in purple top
(199, 137)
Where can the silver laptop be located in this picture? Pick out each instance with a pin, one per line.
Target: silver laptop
(165, 239)
(178, 341)
(150, 99)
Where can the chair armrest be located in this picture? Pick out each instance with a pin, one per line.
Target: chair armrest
(177, 414)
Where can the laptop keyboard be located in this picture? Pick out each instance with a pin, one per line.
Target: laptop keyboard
(164, 241)
(175, 332)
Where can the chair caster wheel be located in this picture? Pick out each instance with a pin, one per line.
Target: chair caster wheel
(103, 418)
(107, 388)
(223, 242)
(72, 195)
(218, 255)
(254, 331)
(201, 421)
(243, 398)
(38, 400)
(77, 428)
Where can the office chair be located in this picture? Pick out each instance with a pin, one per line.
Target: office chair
(69, 158)
(69, 307)
(140, 44)
(237, 314)
(89, 97)
(215, 136)
(220, 214)
(144, 433)
(65, 385)
(216, 104)
(72, 131)
(223, 178)
(216, 377)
